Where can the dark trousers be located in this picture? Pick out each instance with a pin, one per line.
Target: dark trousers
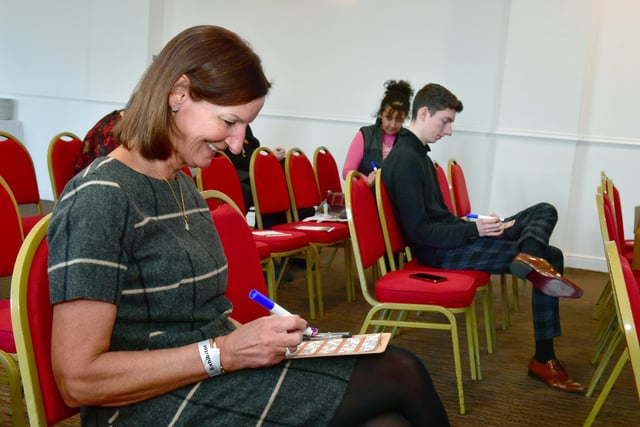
(494, 255)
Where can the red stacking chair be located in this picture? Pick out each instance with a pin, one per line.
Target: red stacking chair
(221, 175)
(444, 187)
(396, 246)
(608, 335)
(62, 156)
(244, 271)
(270, 195)
(12, 238)
(304, 193)
(16, 167)
(31, 315)
(326, 170)
(396, 291)
(214, 199)
(627, 302)
(462, 207)
(609, 188)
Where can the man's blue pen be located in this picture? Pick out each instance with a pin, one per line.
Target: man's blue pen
(373, 165)
(273, 307)
(476, 216)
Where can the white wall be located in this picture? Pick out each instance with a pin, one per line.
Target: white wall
(549, 87)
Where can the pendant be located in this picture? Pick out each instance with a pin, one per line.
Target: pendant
(186, 226)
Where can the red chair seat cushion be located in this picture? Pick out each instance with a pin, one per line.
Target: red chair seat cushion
(292, 240)
(480, 278)
(338, 231)
(7, 342)
(397, 287)
(264, 250)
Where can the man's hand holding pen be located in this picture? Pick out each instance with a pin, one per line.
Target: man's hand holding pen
(490, 226)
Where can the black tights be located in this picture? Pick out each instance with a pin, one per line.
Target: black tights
(390, 389)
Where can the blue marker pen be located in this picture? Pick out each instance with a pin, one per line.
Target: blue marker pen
(373, 165)
(274, 308)
(476, 216)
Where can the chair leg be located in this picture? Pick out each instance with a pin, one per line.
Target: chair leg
(504, 298)
(516, 292)
(457, 364)
(471, 323)
(268, 266)
(606, 357)
(604, 296)
(489, 319)
(15, 388)
(610, 326)
(624, 357)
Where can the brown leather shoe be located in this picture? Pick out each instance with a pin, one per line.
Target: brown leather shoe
(554, 375)
(543, 276)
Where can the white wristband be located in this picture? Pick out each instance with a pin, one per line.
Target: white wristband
(210, 355)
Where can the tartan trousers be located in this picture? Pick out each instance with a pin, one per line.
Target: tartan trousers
(494, 255)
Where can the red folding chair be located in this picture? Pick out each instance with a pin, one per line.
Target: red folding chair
(627, 302)
(62, 156)
(221, 175)
(16, 167)
(271, 196)
(326, 170)
(304, 194)
(215, 199)
(244, 270)
(396, 246)
(444, 187)
(31, 315)
(396, 292)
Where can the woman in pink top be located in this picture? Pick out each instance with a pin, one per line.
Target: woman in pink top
(372, 143)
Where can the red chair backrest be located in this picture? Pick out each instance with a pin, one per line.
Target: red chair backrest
(632, 290)
(16, 167)
(618, 213)
(268, 183)
(396, 240)
(10, 229)
(221, 175)
(64, 154)
(461, 200)
(326, 170)
(610, 220)
(444, 187)
(39, 314)
(364, 216)
(245, 269)
(301, 180)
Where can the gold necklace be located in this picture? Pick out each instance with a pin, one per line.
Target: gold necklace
(175, 197)
(181, 207)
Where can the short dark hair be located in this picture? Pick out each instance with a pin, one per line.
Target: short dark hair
(222, 69)
(435, 97)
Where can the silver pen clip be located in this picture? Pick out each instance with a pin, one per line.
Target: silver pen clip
(327, 336)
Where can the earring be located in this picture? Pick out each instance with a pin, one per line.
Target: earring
(175, 108)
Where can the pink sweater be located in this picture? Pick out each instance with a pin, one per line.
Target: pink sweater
(356, 152)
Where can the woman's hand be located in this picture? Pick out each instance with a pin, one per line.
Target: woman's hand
(279, 152)
(491, 227)
(262, 342)
(371, 178)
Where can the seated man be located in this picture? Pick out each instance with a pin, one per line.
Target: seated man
(440, 239)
